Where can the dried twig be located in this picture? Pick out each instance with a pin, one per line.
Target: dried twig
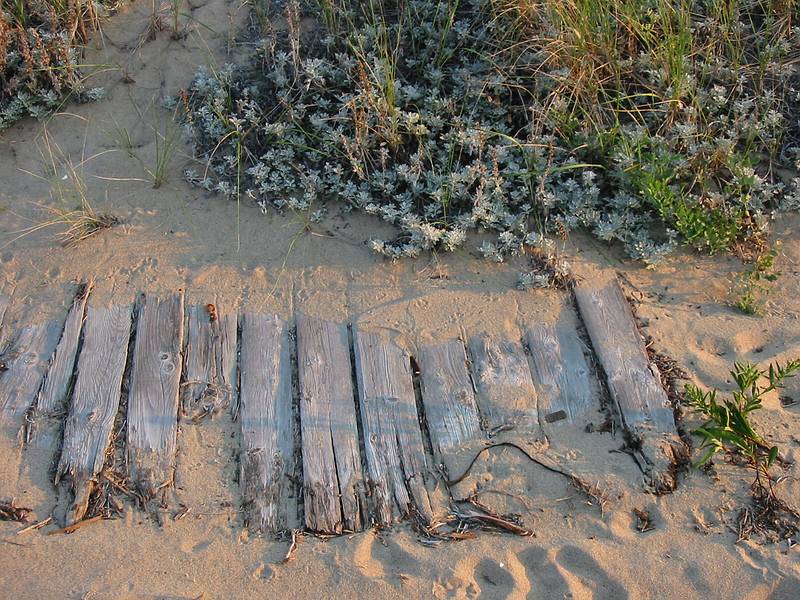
(644, 522)
(9, 511)
(77, 525)
(292, 547)
(35, 526)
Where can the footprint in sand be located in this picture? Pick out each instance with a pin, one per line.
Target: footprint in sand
(497, 581)
(384, 557)
(584, 573)
(545, 577)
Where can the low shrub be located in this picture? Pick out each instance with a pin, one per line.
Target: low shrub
(646, 122)
(40, 47)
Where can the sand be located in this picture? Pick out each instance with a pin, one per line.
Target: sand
(177, 237)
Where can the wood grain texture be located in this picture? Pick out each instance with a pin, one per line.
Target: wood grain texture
(209, 370)
(153, 395)
(507, 399)
(52, 398)
(95, 401)
(635, 388)
(26, 363)
(560, 372)
(6, 293)
(333, 482)
(267, 466)
(397, 469)
(615, 337)
(451, 410)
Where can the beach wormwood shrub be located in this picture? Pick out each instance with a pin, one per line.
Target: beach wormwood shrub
(40, 56)
(646, 122)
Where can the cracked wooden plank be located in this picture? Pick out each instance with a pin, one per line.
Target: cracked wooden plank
(333, 483)
(52, 398)
(267, 454)
(95, 401)
(560, 372)
(633, 384)
(6, 293)
(451, 411)
(395, 453)
(153, 395)
(507, 399)
(209, 370)
(26, 363)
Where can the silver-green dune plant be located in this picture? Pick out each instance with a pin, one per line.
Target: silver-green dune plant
(647, 122)
(40, 55)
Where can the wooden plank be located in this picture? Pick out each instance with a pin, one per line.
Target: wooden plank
(209, 369)
(620, 349)
(333, 483)
(395, 452)
(560, 373)
(95, 401)
(153, 396)
(451, 411)
(25, 365)
(507, 399)
(636, 390)
(6, 293)
(52, 398)
(267, 459)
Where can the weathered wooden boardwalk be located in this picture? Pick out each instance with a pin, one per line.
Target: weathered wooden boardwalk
(340, 428)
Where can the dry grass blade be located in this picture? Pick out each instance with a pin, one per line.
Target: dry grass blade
(484, 518)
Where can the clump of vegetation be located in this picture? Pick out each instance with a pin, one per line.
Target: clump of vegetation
(40, 47)
(647, 122)
(71, 209)
(166, 147)
(728, 427)
(751, 287)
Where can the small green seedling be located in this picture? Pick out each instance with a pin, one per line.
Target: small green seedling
(728, 427)
(752, 286)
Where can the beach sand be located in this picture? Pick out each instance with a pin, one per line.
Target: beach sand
(177, 237)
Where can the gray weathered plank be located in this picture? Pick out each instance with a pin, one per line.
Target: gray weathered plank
(560, 373)
(333, 483)
(6, 293)
(52, 398)
(507, 399)
(451, 411)
(95, 401)
(209, 370)
(153, 395)
(265, 411)
(395, 453)
(642, 402)
(620, 349)
(25, 365)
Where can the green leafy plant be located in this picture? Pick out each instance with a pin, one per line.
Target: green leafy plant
(751, 287)
(728, 427)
